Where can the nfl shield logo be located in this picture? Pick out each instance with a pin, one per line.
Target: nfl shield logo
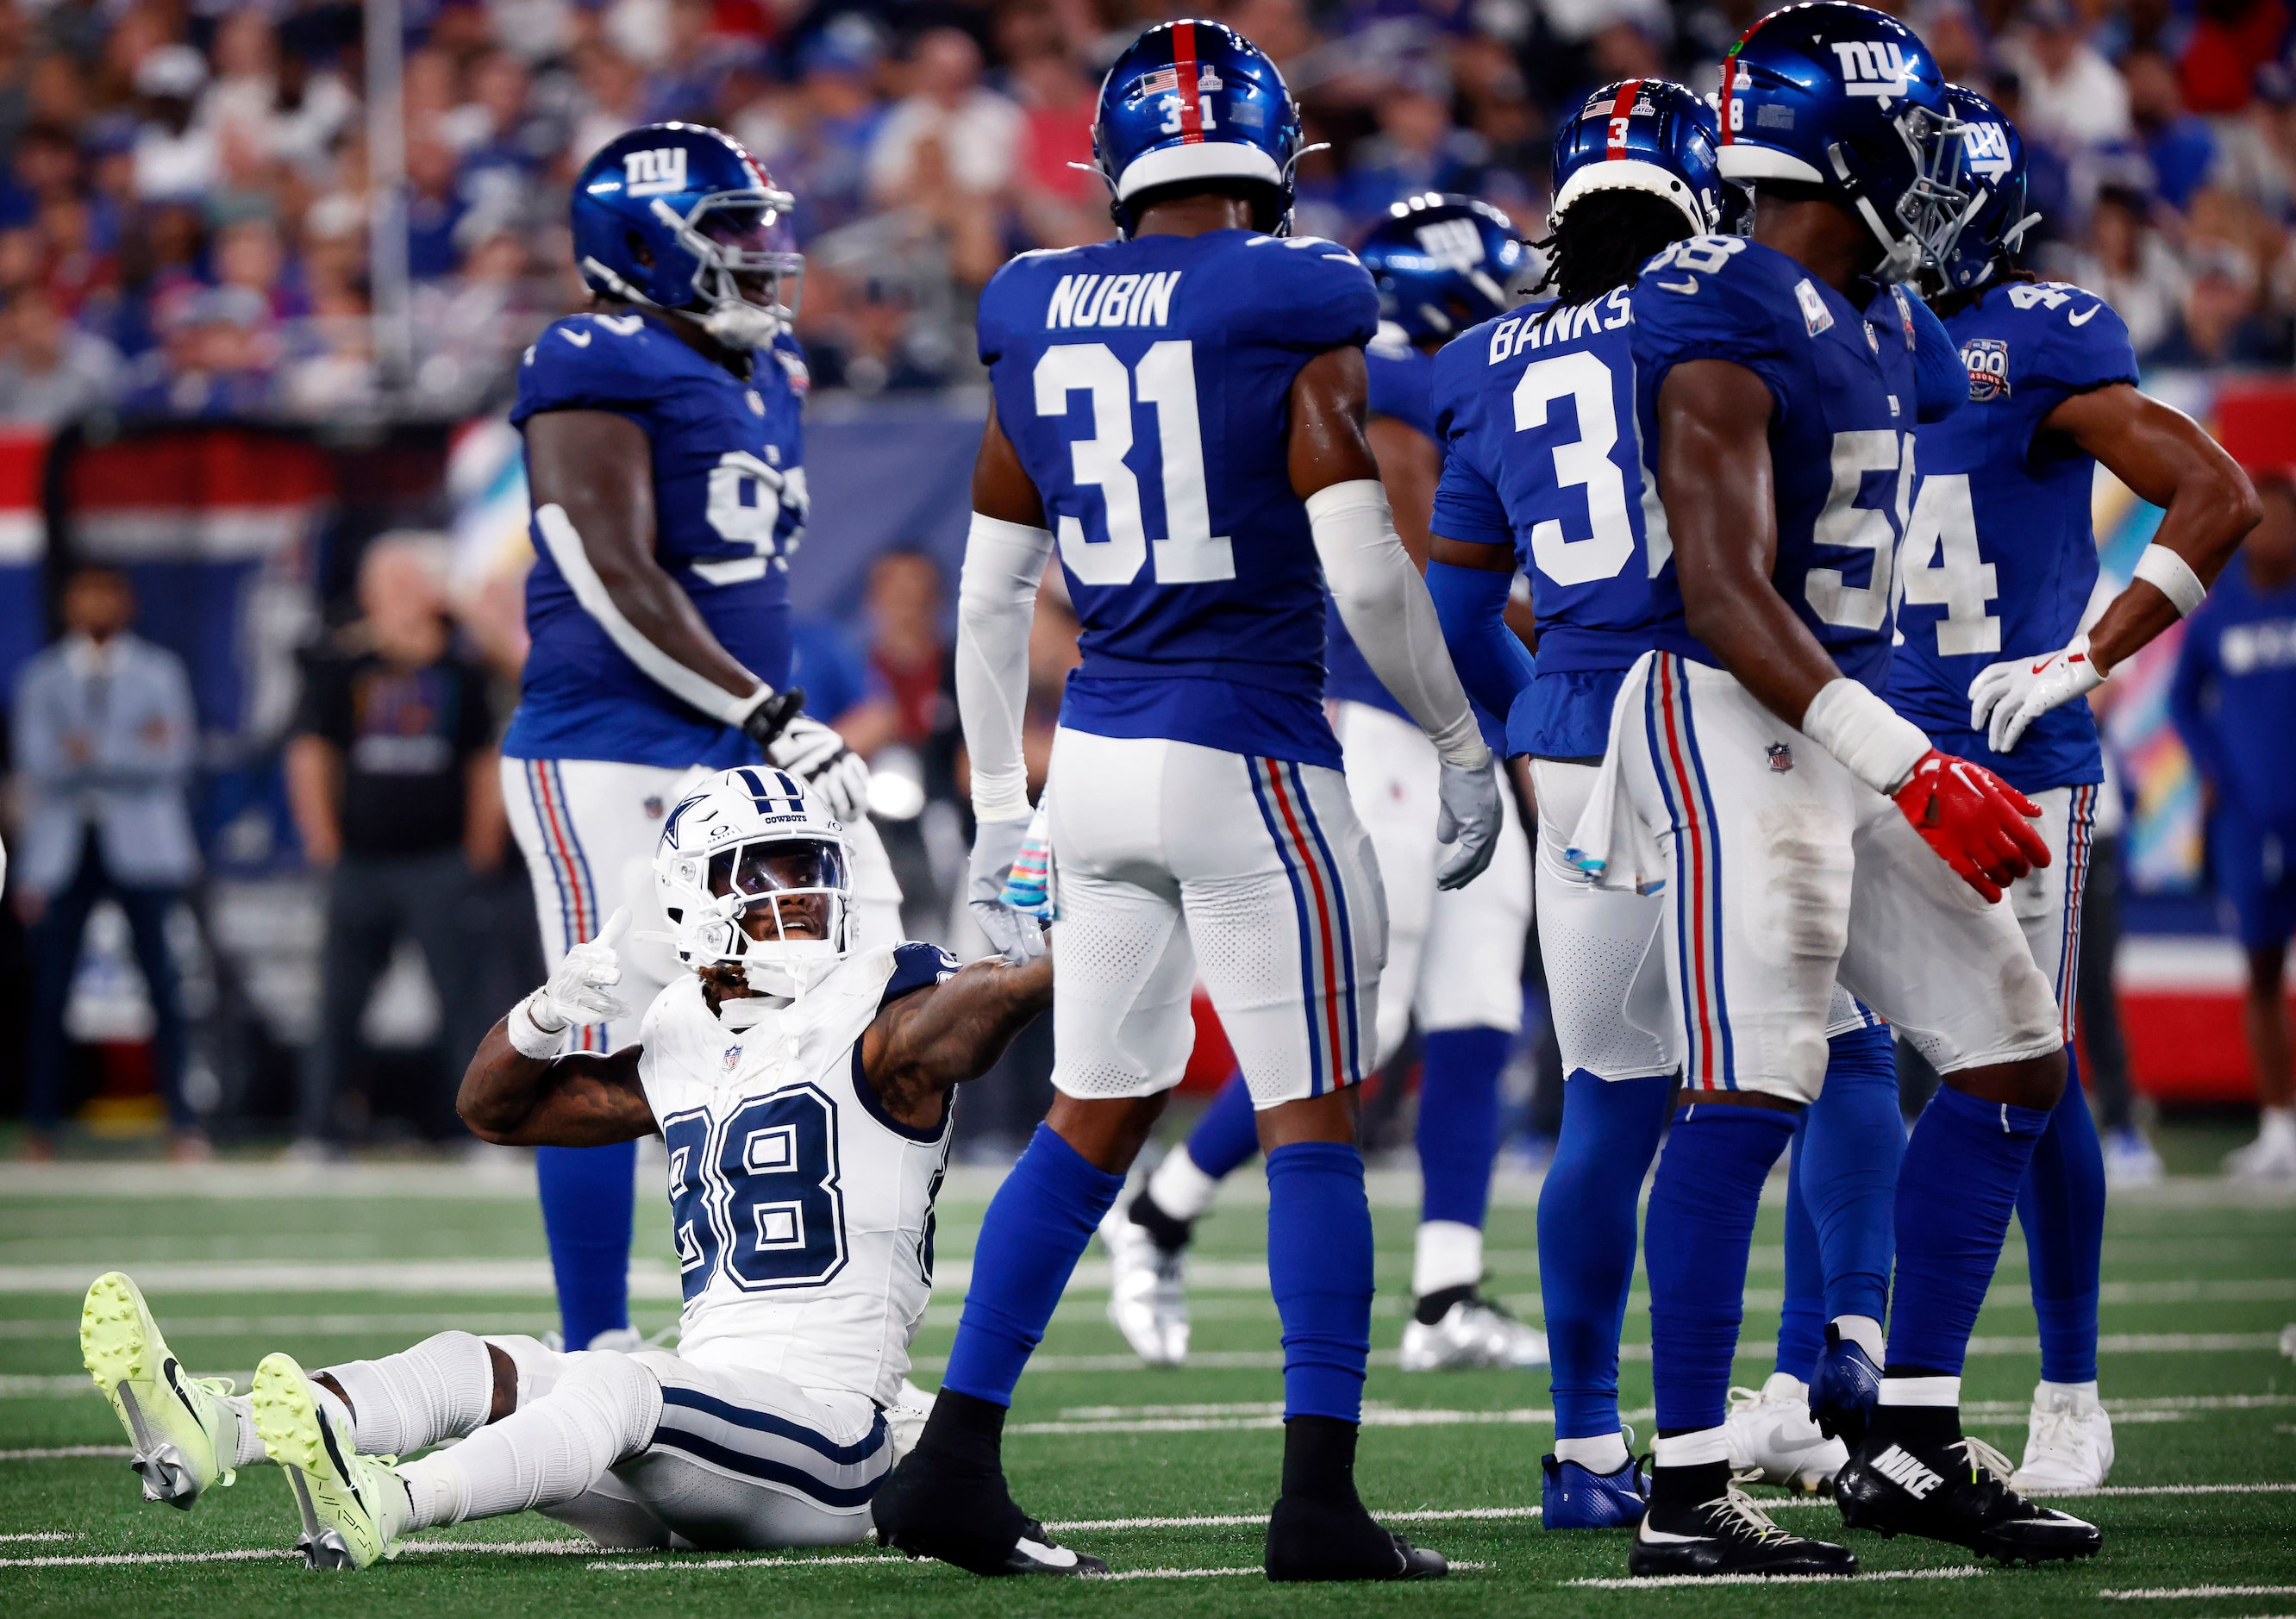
(733, 1056)
(1988, 359)
(1781, 757)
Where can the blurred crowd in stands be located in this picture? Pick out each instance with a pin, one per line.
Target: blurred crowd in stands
(186, 202)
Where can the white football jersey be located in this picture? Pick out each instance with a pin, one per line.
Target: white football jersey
(802, 1211)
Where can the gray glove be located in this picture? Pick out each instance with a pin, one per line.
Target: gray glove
(995, 845)
(1470, 818)
(817, 756)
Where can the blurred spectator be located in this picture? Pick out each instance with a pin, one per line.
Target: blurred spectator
(391, 775)
(904, 606)
(949, 130)
(817, 142)
(841, 689)
(2180, 147)
(103, 739)
(2071, 92)
(2130, 267)
(2222, 322)
(175, 156)
(51, 371)
(2230, 40)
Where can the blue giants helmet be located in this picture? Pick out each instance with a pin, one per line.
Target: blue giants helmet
(1993, 168)
(1194, 101)
(1847, 99)
(712, 229)
(1443, 262)
(1645, 134)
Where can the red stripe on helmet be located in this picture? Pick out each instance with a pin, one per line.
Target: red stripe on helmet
(1184, 60)
(1621, 108)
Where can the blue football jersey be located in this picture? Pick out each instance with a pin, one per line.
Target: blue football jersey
(720, 530)
(1401, 381)
(2234, 698)
(1999, 560)
(1841, 384)
(1543, 452)
(1145, 386)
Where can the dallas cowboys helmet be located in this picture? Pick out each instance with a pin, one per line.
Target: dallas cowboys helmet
(1993, 167)
(1847, 99)
(1443, 262)
(1194, 101)
(733, 850)
(1645, 134)
(680, 217)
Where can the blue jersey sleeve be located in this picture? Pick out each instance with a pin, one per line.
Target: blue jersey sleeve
(1401, 381)
(916, 967)
(2082, 342)
(1701, 300)
(1312, 295)
(1468, 507)
(592, 362)
(1941, 383)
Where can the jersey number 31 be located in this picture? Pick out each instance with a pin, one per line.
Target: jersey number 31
(1166, 378)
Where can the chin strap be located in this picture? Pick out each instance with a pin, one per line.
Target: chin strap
(1901, 255)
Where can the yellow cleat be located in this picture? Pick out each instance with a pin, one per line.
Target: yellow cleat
(185, 1433)
(354, 1507)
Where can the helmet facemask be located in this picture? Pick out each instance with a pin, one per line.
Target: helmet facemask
(779, 909)
(1933, 206)
(747, 276)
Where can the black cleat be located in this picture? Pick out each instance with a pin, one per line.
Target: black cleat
(1314, 1538)
(1959, 1493)
(1730, 1535)
(933, 1506)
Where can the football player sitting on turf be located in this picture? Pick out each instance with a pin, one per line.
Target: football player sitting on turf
(803, 1090)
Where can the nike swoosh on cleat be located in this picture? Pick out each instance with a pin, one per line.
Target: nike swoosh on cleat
(1663, 1537)
(168, 1370)
(1053, 1556)
(350, 1480)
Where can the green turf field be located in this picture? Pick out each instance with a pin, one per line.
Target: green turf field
(1165, 1474)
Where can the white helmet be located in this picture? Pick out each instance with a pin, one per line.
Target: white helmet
(738, 843)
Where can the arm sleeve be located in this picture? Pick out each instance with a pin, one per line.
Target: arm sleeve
(1384, 603)
(995, 599)
(1470, 605)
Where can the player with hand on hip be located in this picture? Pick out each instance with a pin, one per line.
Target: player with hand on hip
(1454, 957)
(1804, 832)
(1198, 815)
(1996, 577)
(802, 1084)
(665, 462)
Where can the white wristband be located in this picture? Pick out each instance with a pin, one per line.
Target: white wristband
(528, 1035)
(1877, 744)
(2173, 576)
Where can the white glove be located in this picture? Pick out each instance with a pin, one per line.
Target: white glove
(995, 846)
(2013, 694)
(817, 756)
(1470, 818)
(577, 992)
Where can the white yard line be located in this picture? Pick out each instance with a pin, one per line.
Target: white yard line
(562, 1547)
(40, 1535)
(65, 1453)
(1660, 1582)
(2163, 1593)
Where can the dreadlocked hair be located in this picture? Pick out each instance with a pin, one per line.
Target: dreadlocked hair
(1603, 242)
(1946, 305)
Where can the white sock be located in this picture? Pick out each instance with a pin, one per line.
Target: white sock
(2275, 1125)
(2081, 1395)
(1604, 1453)
(538, 1366)
(1449, 1254)
(1863, 1332)
(1920, 1391)
(1179, 1188)
(442, 1388)
(1690, 1450)
(249, 1443)
(603, 1410)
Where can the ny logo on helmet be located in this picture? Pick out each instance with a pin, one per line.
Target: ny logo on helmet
(653, 174)
(1454, 243)
(1986, 149)
(1876, 69)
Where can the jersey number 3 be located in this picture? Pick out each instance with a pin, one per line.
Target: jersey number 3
(1166, 378)
(754, 1197)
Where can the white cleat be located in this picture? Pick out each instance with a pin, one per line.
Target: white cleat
(904, 1419)
(183, 1432)
(2270, 1157)
(2068, 1444)
(1148, 1298)
(1770, 1433)
(354, 1507)
(2130, 1159)
(1473, 1332)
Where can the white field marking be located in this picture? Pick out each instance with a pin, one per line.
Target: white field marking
(1434, 1515)
(563, 1548)
(287, 1326)
(64, 1452)
(511, 1277)
(1373, 1416)
(2163, 1593)
(41, 1534)
(894, 1560)
(1660, 1582)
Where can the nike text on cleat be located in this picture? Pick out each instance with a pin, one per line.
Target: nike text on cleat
(1147, 1296)
(2068, 1444)
(1327, 1540)
(183, 1433)
(1773, 1437)
(1960, 1494)
(1573, 1496)
(933, 1505)
(1473, 1332)
(353, 1506)
(1728, 1535)
(1844, 1389)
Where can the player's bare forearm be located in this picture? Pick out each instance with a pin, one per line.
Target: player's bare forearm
(598, 468)
(932, 1039)
(1410, 465)
(2167, 458)
(1330, 398)
(579, 1099)
(1715, 477)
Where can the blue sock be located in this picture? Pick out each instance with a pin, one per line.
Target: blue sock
(1225, 1136)
(587, 1195)
(2062, 1207)
(1701, 1230)
(1036, 1229)
(1586, 1213)
(1319, 1254)
(1801, 1317)
(1959, 1180)
(1852, 1138)
(1458, 1121)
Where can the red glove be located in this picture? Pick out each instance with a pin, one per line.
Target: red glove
(1978, 823)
